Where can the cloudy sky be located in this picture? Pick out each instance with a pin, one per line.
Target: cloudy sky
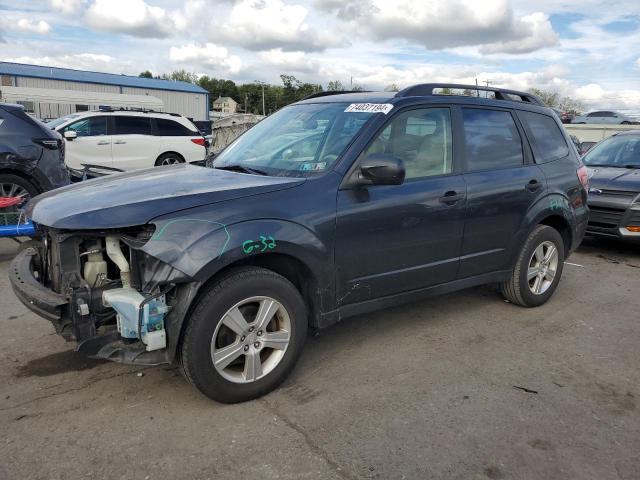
(589, 49)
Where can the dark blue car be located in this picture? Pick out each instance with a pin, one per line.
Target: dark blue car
(334, 206)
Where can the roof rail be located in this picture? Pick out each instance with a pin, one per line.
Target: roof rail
(107, 108)
(332, 92)
(425, 89)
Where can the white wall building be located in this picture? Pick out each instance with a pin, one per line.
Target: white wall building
(48, 92)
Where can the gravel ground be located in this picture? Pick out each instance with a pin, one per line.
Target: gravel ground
(464, 386)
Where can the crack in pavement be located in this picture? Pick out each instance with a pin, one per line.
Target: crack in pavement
(70, 390)
(308, 440)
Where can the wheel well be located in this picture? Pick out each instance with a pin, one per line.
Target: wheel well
(562, 226)
(172, 152)
(24, 176)
(290, 268)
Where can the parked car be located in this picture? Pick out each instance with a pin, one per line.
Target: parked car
(585, 147)
(334, 206)
(566, 117)
(607, 117)
(129, 140)
(614, 194)
(31, 155)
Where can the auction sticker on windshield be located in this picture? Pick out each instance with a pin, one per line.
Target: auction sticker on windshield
(370, 107)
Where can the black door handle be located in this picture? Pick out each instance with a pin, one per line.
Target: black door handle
(451, 197)
(533, 185)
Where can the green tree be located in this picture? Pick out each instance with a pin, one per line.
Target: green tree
(335, 86)
(219, 88)
(183, 76)
(554, 100)
(392, 87)
(146, 74)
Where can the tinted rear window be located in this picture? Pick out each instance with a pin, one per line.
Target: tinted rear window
(492, 140)
(545, 135)
(132, 125)
(171, 128)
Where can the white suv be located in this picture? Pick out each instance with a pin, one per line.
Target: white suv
(127, 139)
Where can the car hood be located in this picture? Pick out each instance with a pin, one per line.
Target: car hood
(135, 198)
(608, 178)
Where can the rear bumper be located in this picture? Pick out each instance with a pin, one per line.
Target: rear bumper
(30, 292)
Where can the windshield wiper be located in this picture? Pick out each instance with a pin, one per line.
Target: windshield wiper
(242, 169)
(632, 166)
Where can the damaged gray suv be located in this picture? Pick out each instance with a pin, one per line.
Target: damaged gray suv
(335, 206)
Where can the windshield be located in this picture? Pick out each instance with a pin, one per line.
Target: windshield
(621, 151)
(299, 140)
(59, 121)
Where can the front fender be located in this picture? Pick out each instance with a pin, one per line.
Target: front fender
(200, 247)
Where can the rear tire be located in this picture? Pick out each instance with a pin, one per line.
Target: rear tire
(251, 357)
(169, 158)
(12, 185)
(537, 270)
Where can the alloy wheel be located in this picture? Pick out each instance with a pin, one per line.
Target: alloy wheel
(170, 161)
(13, 190)
(251, 339)
(543, 266)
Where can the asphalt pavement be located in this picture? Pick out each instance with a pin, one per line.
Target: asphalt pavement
(464, 386)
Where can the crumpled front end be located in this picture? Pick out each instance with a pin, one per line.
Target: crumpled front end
(100, 289)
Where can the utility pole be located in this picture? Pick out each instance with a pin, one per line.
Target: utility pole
(262, 84)
(245, 103)
(477, 91)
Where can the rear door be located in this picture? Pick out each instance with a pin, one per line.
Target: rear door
(133, 145)
(501, 186)
(92, 144)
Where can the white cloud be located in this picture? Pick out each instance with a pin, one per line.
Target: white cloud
(267, 24)
(132, 17)
(209, 55)
(67, 7)
(437, 24)
(535, 32)
(31, 26)
(289, 61)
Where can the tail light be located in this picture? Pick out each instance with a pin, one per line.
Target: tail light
(583, 176)
(199, 141)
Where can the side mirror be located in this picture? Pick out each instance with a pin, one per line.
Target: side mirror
(70, 135)
(382, 169)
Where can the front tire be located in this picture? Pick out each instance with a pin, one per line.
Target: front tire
(244, 335)
(538, 269)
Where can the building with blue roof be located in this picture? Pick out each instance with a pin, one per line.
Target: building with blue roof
(51, 92)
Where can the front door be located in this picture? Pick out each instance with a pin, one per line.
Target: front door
(501, 187)
(397, 238)
(92, 144)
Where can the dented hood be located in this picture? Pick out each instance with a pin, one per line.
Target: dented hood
(134, 198)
